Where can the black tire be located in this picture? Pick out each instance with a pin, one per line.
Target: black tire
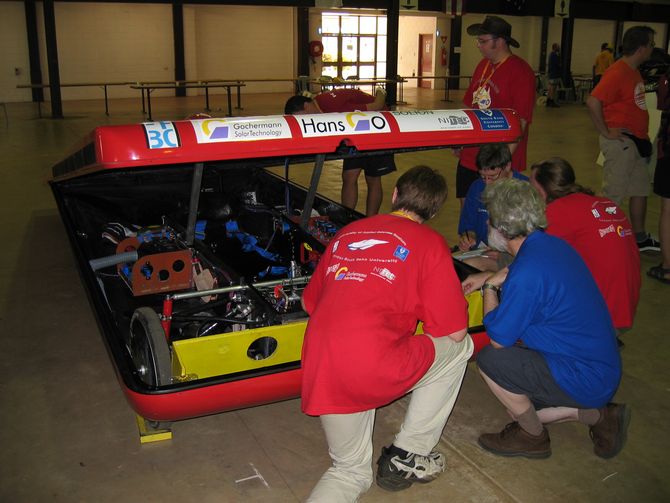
(149, 349)
(157, 425)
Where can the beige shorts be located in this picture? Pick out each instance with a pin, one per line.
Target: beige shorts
(625, 172)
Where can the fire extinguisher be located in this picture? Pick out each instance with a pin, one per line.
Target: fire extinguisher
(443, 56)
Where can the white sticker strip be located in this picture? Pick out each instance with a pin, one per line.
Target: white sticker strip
(412, 121)
(350, 123)
(161, 134)
(243, 129)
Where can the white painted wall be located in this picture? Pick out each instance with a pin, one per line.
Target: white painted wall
(526, 30)
(409, 29)
(659, 28)
(110, 42)
(239, 42)
(13, 52)
(100, 42)
(588, 35)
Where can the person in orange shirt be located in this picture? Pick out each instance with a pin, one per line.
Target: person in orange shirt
(604, 60)
(619, 112)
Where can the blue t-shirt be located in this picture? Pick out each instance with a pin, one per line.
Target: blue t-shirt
(551, 302)
(474, 216)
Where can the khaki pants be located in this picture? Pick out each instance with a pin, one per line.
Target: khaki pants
(349, 436)
(625, 172)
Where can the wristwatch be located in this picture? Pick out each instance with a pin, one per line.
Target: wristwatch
(489, 286)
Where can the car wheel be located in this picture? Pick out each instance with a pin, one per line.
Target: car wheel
(149, 349)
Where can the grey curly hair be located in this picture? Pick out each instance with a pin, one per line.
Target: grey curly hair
(515, 208)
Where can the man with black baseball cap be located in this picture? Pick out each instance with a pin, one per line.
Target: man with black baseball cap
(500, 80)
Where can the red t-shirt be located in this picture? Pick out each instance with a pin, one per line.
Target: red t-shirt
(602, 235)
(343, 100)
(512, 85)
(621, 92)
(377, 278)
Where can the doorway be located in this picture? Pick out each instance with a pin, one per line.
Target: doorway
(425, 59)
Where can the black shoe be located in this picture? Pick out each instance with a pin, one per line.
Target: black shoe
(398, 471)
(649, 244)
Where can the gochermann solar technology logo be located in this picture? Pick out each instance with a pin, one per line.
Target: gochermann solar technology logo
(243, 129)
(332, 124)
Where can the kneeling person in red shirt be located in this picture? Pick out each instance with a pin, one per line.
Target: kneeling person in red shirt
(378, 277)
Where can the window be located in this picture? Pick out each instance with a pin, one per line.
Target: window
(353, 46)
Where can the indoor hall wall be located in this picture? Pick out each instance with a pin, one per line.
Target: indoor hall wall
(14, 52)
(588, 35)
(110, 42)
(409, 29)
(659, 28)
(240, 42)
(525, 30)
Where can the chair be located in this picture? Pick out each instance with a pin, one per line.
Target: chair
(567, 92)
(351, 77)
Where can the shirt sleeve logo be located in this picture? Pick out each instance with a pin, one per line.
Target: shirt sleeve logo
(341, 273)
(401, 252)
(365, 244)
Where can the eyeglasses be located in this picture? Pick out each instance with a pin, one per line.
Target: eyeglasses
(490, 178)
(482, 41)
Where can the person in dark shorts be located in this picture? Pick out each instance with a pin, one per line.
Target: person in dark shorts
(661, 272)
(553, 355)
(374, 166)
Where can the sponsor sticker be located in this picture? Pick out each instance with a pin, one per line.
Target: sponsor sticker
(606, 230)
(241, 129)
(432, 120)
(162, 134)
(312, 125)
(401, 252)
(491, 120)
(596, 213)
(623, 232)
(384, 273)
(341, 273)
(365, 244)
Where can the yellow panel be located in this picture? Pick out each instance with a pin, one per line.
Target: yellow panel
(475, 311)
(147, 435)
(223, 354)
(475, 308)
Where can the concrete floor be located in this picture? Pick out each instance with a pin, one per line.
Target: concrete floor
(68, 435)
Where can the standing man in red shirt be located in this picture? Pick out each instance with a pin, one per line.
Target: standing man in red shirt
(378, 277)
(351, 100)
(500, 80)
(619, 112)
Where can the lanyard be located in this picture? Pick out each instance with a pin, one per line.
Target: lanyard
(482, 81)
